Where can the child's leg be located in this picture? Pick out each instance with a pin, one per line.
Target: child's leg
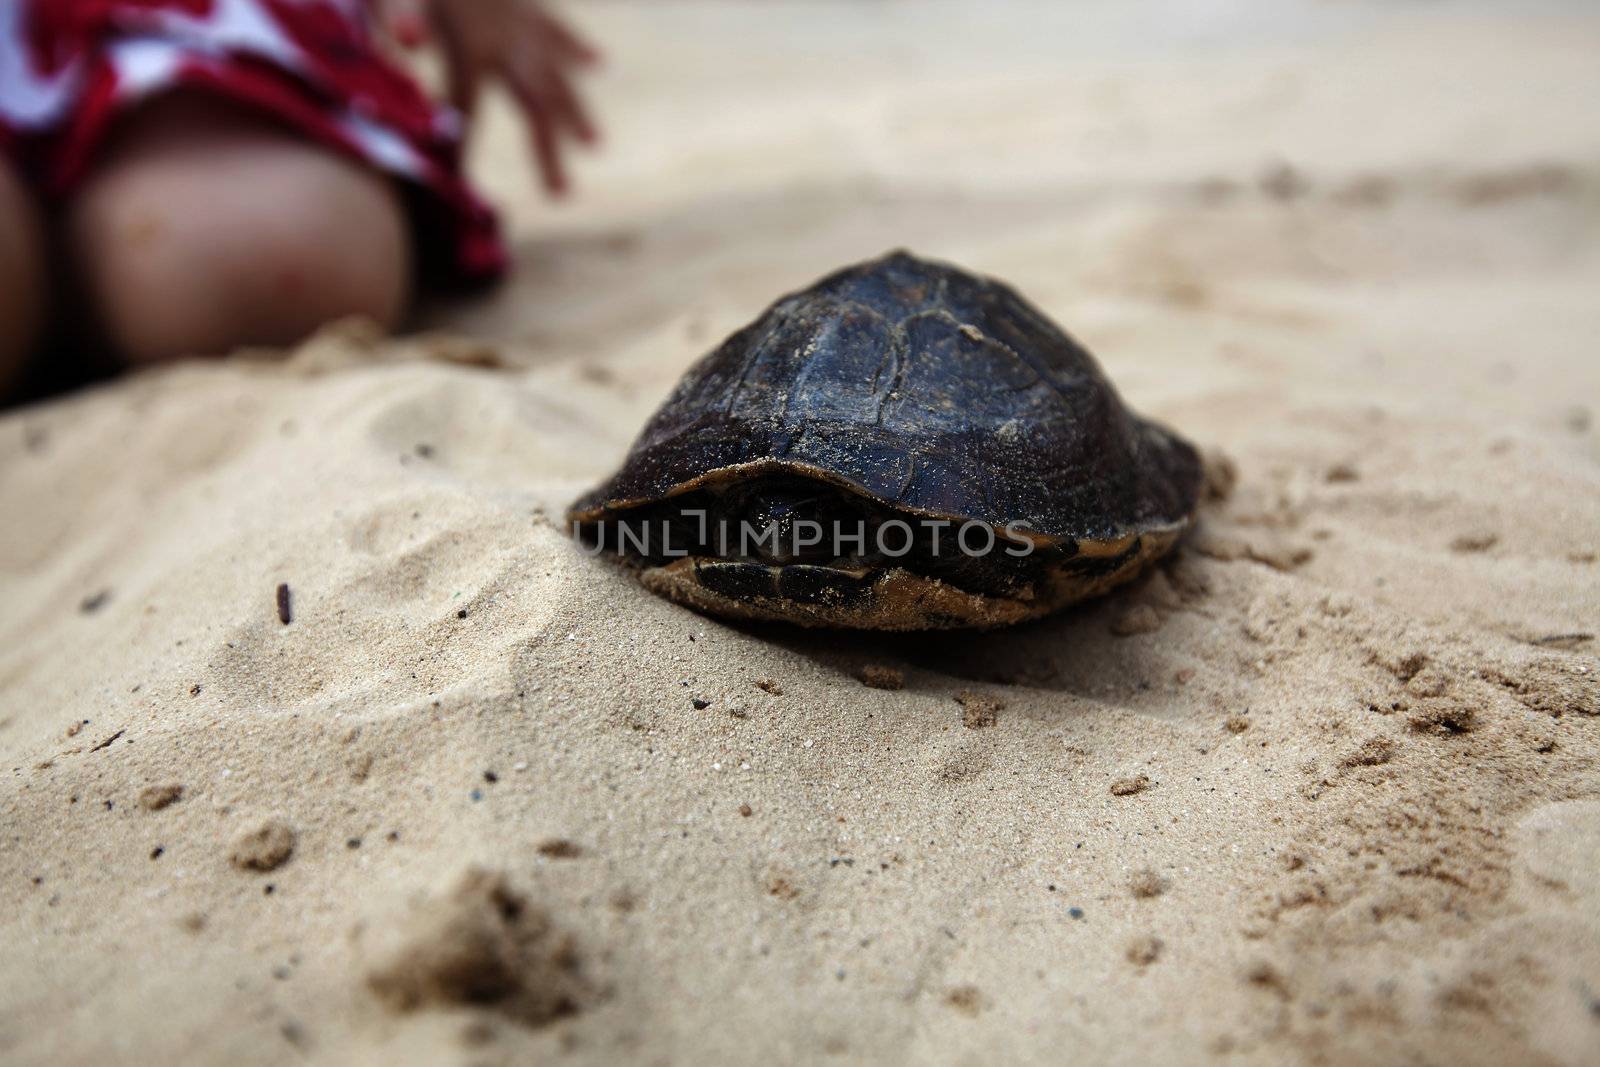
(22, 273)
(205, 228)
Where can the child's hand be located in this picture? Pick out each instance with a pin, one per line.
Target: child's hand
(533, 52)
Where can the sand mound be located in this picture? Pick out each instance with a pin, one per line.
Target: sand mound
(484, 945)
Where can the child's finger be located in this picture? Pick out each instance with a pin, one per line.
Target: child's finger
(542, 124)
(549, 155)
(466, 85)
(464, 74)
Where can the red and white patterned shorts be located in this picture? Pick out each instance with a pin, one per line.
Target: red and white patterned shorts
(68, 67)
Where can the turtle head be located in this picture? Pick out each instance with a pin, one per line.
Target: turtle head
(791, 521)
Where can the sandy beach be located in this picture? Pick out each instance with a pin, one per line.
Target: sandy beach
(321, 743)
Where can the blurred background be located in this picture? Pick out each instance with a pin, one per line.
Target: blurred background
(1312, 182)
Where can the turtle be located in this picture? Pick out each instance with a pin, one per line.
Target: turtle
(967, 463)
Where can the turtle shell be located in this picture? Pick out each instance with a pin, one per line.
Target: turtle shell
(925, 387)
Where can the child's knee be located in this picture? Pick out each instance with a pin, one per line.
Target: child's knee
(22, 269)
(253, 239)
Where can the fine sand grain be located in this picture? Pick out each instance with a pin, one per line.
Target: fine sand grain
(322, 744)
